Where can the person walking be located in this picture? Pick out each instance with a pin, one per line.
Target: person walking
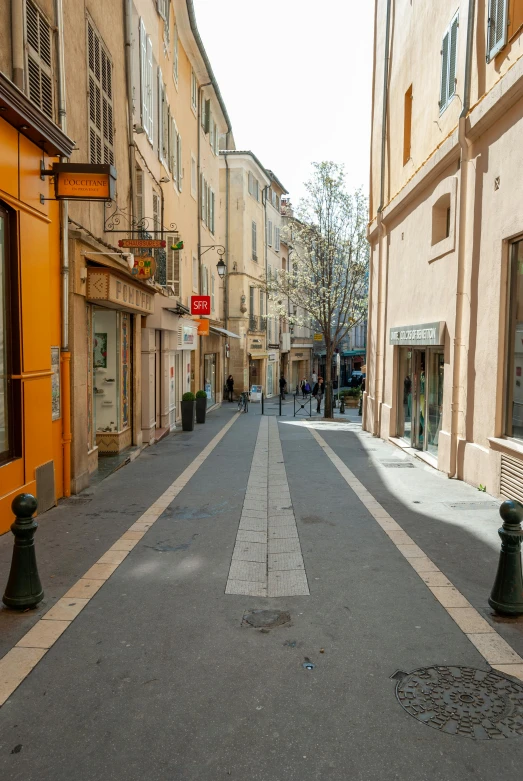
(317, 392)
(302, 387)
(283, 383)
(230, 387)
(314, 378)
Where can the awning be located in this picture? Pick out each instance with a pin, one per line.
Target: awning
(224, 332)
(352, 353)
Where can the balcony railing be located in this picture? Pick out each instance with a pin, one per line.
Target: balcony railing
(257, 323)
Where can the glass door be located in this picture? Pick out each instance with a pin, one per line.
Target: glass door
(419, 382)
(436, 363)
(405, 394)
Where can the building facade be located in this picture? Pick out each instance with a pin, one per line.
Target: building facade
(444, 358)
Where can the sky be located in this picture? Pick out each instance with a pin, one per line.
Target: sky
(296, 78)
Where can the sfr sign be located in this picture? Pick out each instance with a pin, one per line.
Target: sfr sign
(200, 305)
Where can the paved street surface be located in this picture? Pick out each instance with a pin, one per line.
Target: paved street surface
(140, 663)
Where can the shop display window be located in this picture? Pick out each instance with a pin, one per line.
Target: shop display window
(514, 401)
(210, 378)
(106, 370)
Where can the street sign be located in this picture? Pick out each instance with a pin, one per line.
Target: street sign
(144, 267)
(318, 337)
(141, 243)
(203, 327)
(200, 305)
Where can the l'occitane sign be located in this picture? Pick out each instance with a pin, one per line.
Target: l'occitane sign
(84, 182)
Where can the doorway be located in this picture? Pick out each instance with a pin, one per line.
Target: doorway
(420, 397)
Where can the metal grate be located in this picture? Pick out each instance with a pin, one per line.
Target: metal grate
(397, 465)
(474, 506)
(511, 482)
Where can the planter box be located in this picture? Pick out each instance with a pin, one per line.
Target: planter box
(352, 401)
(201, 408)
(187, 415)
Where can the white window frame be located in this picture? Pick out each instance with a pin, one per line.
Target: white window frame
(254, 240)
(497, 18)
(277, 239)
(194, 177)
(175, 55)
(448, 66)
(194, 91)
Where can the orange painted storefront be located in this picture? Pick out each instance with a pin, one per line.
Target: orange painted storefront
(35, 322)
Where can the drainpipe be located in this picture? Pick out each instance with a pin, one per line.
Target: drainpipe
(17, 42)
(64, 247)
(379, 378)
(457, 426)
(128, 16)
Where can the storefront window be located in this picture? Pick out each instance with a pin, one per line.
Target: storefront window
(106, 371)
(210, 378)
(270, 379)
(405, 394)
(5, 433)
(435, 400)
(514, 410)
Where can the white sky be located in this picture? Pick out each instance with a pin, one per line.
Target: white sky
(296, 78)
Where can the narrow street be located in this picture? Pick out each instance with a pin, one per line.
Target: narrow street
(154, 671)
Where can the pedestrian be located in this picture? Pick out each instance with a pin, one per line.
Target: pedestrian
(230, 387)
(318, 391)
(283, 383)
(302, 387)
(314, 378)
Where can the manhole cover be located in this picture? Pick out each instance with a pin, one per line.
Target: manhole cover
(266, 618)
(464, 701)
(397, 465)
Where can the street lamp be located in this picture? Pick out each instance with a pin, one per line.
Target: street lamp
(222, 268)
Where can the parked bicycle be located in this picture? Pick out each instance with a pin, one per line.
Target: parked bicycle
(243, 402)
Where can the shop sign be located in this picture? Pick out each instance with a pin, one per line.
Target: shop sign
(200, 305)
(141, 243)
(187, 335)
(203, 327)
(272, 356)
(255, 346)
(102, 286)
(144, 267)
(84, 182)
(318, 337)
(424, 334)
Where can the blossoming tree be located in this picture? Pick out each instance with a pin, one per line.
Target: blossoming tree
(328, 263)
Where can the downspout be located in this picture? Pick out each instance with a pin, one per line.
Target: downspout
(128, 14)
(17, 42)
(64, 247)
(379, 377)
(460, 358)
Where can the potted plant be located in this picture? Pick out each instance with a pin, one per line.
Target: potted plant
(201, 406)
(188, 411)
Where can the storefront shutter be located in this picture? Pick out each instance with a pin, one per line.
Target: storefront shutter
(39, 60)
(173, 264)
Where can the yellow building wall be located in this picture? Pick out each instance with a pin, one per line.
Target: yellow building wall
(39, 287)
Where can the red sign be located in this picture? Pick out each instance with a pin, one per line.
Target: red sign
(200, 305)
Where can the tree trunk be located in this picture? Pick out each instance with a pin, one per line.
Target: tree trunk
(328, 379)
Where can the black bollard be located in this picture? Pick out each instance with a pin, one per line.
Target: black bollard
(342, 405)
(23, 587)
(507, 592)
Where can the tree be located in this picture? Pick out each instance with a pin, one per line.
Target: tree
(327, 276)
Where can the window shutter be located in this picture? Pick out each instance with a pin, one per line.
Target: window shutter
(160, 110)
(206, 116)
(39, 60)
(453, 48)
(194, 272)
(212, 211)
(497, 27)
(254, 241)
(149, 128)
(175, 53)
(444, 72)
(139, 197)
(180, 166)
(101, 127)
(204, 281)
(173, 270)
(144, 97)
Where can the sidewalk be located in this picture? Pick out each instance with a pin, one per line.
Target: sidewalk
(161, 676)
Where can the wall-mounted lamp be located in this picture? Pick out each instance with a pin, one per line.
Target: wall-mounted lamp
(164, 180)
(222, 268)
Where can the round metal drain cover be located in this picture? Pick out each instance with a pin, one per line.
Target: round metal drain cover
(266, 618)
(463, 701)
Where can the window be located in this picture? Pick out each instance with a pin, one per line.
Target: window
(496, 27)
(278, 202)
(146, 82)
(194, 272)
(173, 270)
(205, 281)
(175, 54)
(163, 122)
(39, 59)
(206, 115)
(276, 239)
(449, 50)
(203, 196)
(212, 127)
(269, 233)
(262, 295)
(211, 212)
(254, 229)
(407, 125)
(194, 179)
(194, 91)
(441, 219)
(10, 389)
(251, 302)
(514, 400)
(101, 130)
(179, 167)
(254, 187)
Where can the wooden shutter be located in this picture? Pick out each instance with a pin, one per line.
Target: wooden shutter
(39, 59)
(139, 197)
(206, 116)
(175, 54)
(144, 97)
(160, 114)
(212, 211)
(212, 293)
(101, 126)
(179, 179)
(496, 27)
(173, 271)
(453, 49)
(204, 281)
(149, 128)
(444, 71)
(254, 241)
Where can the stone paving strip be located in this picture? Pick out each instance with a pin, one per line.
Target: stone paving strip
(267, 559)
(20, 660)
(495, 650)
